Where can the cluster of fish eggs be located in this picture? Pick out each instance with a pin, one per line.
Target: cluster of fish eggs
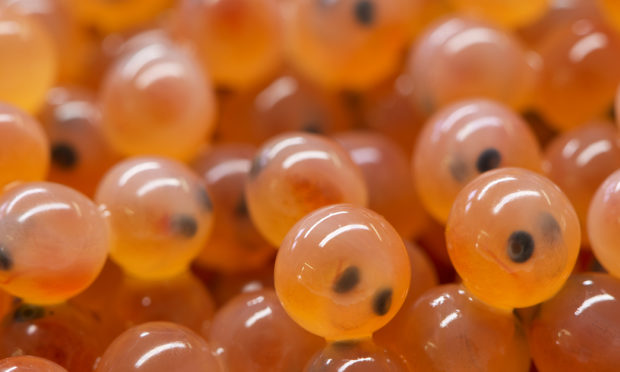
(309, 185)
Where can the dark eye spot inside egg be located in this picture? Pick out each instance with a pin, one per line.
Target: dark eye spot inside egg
(364, 11)
(520, 246)
(184, 225)
(382, 301)
(28, 312)
(549, 227)
(347, 280)
(258, 163)
(64, 155)
(458, 169)
(6, 263)
(488, 159)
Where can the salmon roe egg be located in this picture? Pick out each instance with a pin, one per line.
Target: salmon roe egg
(238, 42)
(578, 79)
(158, 347)
(458, 58)
(466, 139)
(296, 173)
(27, 363)
(28, 65)
(24, 148)
(577, 330)
(156, 100)
(513, 237)
(347, 44)
(254, 322)
(79, 152)
(355, 356)
(579, 160)
(388, 178)
(449, 330)
(603, 224)
(160, 215)
(53, 242)
(235, 245)
(342, 272)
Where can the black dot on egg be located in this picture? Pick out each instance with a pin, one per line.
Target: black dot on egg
(458, 169)
(6, 263)
(520, 246)
(258, 163)
(347, 280)
(488, 159)
(382, 301)
(549, 227)
(184, 225)
(364, 11)
(63, 155)
(26, 312)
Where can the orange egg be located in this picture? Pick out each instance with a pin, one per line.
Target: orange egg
(449, 330)
(158, 347)
(182, 299)
(29, 62)
(252, 332)
(603, 224)
(27, 363)
(72, 43)
(388, 178)
(296, 173)
(53, 242)
(287, 103)
(466, 139)
(513, 237)
(238, 42)
(156, 100)
(423, 277)
(160, 215)
(577, 330)
(359, 356)
(389, 110)
(347, 44)
(579, 160)
(24, 149)
(235, 245)
(64, 334)
(80, 154)
(458, 58)
(342, 272)
(578, 80)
